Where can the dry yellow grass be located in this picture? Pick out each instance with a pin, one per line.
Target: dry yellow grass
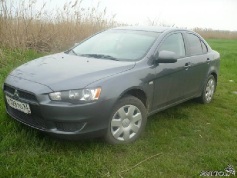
(216, 34)
(24, 25)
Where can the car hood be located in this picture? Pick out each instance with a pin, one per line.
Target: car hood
(64, 71)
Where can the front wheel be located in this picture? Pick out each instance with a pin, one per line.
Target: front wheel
(208, 90)
(127, 121)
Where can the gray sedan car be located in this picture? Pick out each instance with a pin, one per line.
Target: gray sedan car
(107, 85)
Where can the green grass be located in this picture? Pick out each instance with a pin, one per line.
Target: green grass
(189, 138)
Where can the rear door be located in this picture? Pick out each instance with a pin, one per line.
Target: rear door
(199, 59)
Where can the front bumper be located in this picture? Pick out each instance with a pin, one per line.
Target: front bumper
(58, 118)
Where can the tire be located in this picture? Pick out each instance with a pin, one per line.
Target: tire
(208, 90)
(127, 121)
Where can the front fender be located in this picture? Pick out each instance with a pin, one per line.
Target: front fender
(137, 78)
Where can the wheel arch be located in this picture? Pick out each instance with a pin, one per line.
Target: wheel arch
(138, 93)
(215, 75)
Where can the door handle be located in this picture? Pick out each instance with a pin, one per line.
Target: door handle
(187, 65)
(208, 60)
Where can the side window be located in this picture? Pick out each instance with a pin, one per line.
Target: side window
(195, 45)
(174, 43)
(204, 47)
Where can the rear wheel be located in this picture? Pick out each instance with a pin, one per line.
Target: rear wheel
(127, 121)
(208, 90)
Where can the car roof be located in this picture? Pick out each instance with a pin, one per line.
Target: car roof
(147, 28)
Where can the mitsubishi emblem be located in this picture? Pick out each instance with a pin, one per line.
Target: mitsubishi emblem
(16, 94)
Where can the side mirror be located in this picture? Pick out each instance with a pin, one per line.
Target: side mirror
(166, 57)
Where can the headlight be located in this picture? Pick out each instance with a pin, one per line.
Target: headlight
(76, 95)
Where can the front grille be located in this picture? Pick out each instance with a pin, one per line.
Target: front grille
(22, 94)
(28, 119)
(69, 127)
(9, 89)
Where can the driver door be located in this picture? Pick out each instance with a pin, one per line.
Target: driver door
(171, 77)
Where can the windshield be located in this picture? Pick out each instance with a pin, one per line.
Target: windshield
(126, 45)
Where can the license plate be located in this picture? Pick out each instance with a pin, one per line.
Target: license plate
(23, 107)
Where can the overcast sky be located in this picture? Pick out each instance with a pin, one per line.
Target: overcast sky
(215, 14)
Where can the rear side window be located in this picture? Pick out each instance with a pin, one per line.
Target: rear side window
(195, 45)
(204, 47)
(175, 44)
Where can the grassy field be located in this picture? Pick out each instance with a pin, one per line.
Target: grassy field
(179, 142)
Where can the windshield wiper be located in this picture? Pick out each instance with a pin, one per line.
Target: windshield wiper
(101, 56)
(73, 52)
